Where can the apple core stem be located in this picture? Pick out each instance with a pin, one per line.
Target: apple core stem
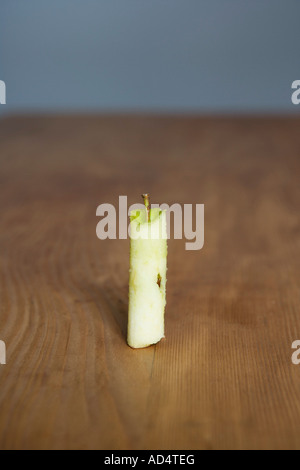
(146, 198)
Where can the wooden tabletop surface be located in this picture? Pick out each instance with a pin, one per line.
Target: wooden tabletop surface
(223, 377)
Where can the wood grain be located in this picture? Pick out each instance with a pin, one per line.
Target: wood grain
(223, 378)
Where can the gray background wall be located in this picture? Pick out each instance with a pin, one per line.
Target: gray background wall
(155, 55)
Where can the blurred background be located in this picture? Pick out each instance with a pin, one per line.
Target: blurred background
(207, 56)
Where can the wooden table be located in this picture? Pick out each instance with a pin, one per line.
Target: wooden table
(223, 378)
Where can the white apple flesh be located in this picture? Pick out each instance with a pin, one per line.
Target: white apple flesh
(148, 277)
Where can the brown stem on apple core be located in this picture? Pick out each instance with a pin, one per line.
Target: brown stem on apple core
(146, 198)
